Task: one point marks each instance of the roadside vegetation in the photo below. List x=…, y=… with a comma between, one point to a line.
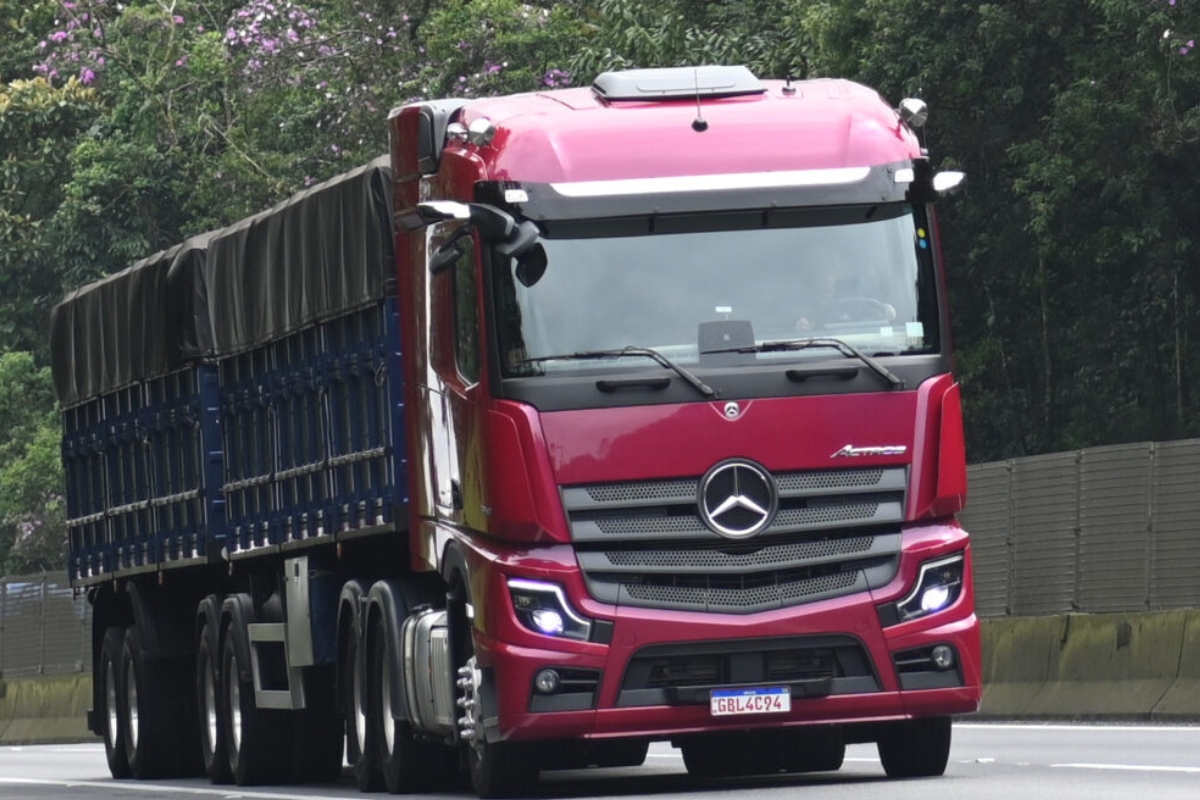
x=125, y=126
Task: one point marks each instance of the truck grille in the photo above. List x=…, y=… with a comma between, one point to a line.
x=643, y=543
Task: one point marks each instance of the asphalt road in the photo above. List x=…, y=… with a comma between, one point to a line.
x=1064, y=762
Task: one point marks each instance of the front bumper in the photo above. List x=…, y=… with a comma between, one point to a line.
x=608, y=697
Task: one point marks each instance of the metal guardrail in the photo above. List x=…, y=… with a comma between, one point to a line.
x=1101, y=530
x=44, y=628
x=1106, y=529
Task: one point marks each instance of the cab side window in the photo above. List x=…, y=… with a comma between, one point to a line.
x=466, y=314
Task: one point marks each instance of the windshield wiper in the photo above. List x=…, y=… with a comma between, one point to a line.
x=848, y=350
x=630, y=350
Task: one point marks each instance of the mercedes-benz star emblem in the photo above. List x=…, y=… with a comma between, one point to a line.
x=737, y=499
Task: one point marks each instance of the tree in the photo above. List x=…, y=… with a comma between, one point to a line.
x=32, y=510
x=1074, y=310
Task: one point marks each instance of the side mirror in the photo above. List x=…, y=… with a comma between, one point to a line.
x=520, y=241
x=531, y=265
x=425, y=214
x=449, y=252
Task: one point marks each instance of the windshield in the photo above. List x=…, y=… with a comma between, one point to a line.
x=705, y=289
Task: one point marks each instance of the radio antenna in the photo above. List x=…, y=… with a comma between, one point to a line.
x=699, y=124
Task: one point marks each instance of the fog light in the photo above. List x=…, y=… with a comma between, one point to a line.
x=943, y=657
x=547, y=681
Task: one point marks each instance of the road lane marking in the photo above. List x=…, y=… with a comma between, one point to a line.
x=1000, y=726
x=160, y=788
x=1129, y=767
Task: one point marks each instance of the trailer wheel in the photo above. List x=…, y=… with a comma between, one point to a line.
x=113, y=702
x=157, y=712
x=915, y=748
x=256, y=739
x=209, y=708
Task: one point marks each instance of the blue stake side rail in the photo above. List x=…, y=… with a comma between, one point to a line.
x=297, y=443
x=238, y=394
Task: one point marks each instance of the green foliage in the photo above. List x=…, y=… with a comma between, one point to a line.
x=1071, y=262
x=32, y=511
x=38, y=122
x=765, y=35
x=478, y=48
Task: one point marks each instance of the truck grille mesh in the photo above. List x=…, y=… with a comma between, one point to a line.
x=715, y=597
x=644, y=544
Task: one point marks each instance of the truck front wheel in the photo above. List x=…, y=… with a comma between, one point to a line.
x=915, y=748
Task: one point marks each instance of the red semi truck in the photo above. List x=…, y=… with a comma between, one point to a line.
x=589, y=418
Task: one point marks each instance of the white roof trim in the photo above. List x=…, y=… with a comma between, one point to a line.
x=710, y=183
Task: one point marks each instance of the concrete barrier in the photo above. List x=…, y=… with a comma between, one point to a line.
x=1132, y=666
x=1077, y=666
x=1017, y=655
x=45, y=710
x=1182, y=700
x=1112, y=665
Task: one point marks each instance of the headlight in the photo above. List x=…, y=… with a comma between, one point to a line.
x=938, y=585
x=543, y=608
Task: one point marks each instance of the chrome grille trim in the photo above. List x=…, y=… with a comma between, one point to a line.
x=643, y=543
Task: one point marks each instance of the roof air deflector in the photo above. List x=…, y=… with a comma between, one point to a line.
x=675, y=83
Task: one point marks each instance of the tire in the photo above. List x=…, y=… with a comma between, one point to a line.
x=917, y=748
x=361, y=722
x=502, y=769
x=256, y=740
x=497, y=769
x=210, y=716
x=112, y=699
x=158, y=721
x=407, y=763
x=317, y=736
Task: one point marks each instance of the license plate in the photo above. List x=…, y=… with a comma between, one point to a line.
x=774, y=700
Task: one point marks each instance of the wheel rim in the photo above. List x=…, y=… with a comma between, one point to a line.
x=235, y=705
x=360, y=711
x=110, y=705
x=131, y=707
x=385, y=705
x=210, y=704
